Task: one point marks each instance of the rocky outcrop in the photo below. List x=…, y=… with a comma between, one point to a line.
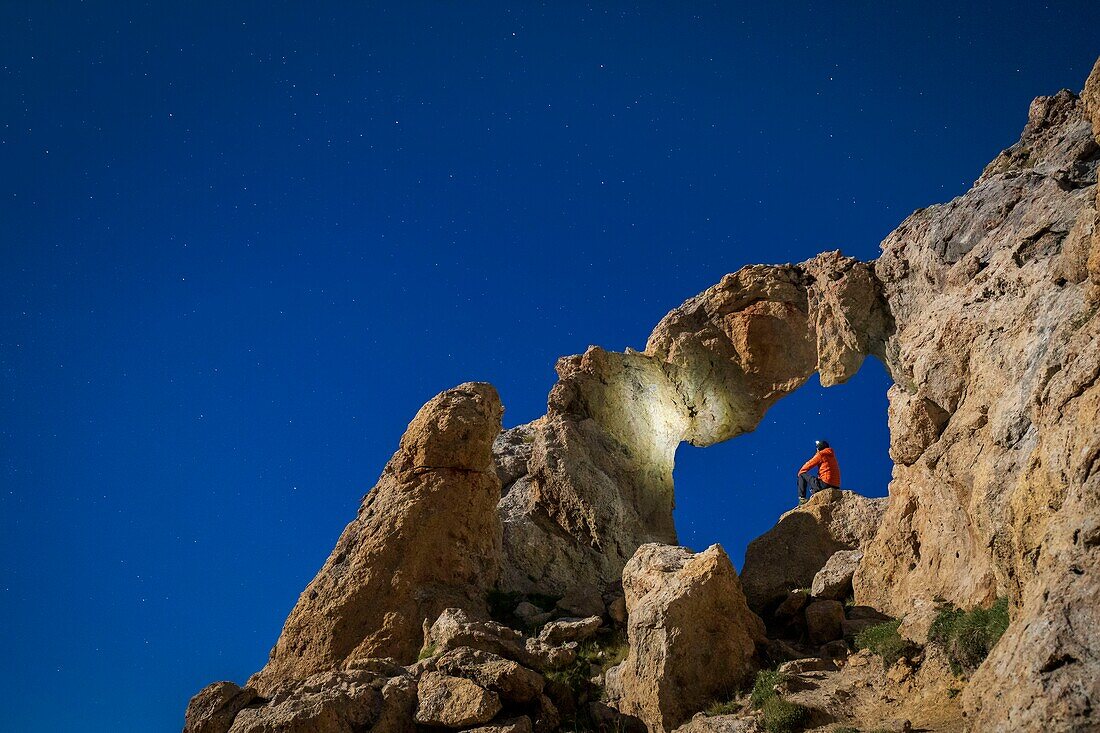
x=213, y=709
x=328, y=701
x=426, y=537
x=453, y=702
x=789, y=555
x=598, y=477
x=834, y=580
x=692, y=637
x=996, y=359
x=986, y=312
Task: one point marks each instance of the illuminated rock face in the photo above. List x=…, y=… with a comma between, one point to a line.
x=598, y=482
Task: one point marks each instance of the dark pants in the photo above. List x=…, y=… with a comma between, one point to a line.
x=811, y=482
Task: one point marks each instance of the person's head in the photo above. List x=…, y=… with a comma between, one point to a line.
x=822, y=444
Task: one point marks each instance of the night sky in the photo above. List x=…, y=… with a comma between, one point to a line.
x=243, y=243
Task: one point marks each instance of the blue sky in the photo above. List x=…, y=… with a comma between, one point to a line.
x=243, y=243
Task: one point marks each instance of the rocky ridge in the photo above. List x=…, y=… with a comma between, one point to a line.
x=984, y=311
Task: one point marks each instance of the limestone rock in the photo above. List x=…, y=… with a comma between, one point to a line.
x=453, y=702
x=455, y=629
x=997, y=326
x=721, y=724
x=426, y=537
x=598, y=481
x=824, y=621
x=213, y=709
x=327, y=702
x=792, y=605
x=834, y=580
x=581, y=601
x=569, y=629
x=511, y=681
x=789, y=555
x=691, y=635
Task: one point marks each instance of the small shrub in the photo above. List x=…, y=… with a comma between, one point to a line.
x=763, y=689
x=968, y=636
x=782, y=716
x=428, y=650
x=884, y=640
x=728, y=707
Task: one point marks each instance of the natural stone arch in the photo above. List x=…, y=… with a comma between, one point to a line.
x=592, y=480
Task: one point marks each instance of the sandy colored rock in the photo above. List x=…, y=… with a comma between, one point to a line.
x=788, y=556
x=426, y=537
x=569, y=629
x=453, y=702
x=995, y=326
x=513, y=682
x=691, y=635
x=834, y=580
x=327, y=702
x=213, y=709
x=598, y=476
x=454, y=629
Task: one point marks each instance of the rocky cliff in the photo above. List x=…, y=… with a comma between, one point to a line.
x=501, y=558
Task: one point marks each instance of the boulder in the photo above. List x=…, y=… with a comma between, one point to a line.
x=213, y=709
x=581, y=601
x=453, y=702
x=792, y=605
x=454, y=628
x=426, y=538
x=824, y=621
x=511, y=681
x=834, y=580
x=789, y=555
x=327, y=702
x=692, y=637
x=569, y=629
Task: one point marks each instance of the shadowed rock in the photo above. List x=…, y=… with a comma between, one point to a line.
x=692, y=637
x=789, y=555
x=427, y=537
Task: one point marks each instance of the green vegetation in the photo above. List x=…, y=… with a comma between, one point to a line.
x=884, y=640
x=763, y=689
x=728, y=707
x=782, y=716
x=602, y=653
x=968, y=636
x=428, y=650
x=779, y=715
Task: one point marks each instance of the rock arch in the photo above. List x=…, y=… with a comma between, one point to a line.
x=589, y=482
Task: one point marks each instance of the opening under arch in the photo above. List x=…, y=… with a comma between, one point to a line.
x=734, y=491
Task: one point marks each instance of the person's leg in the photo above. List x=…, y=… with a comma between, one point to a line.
x=802, y=484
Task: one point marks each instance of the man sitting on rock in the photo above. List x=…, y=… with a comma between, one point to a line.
x=828, y=472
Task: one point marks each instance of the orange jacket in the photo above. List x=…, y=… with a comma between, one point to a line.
x=827, y=469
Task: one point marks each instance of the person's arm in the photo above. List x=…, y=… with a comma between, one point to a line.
x=812, y=463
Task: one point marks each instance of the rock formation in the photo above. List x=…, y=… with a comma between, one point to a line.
x=789, y=555
x=986, y=313
x=996, y=359
x=598, y=477
x=426, y=538
x=692, y=637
